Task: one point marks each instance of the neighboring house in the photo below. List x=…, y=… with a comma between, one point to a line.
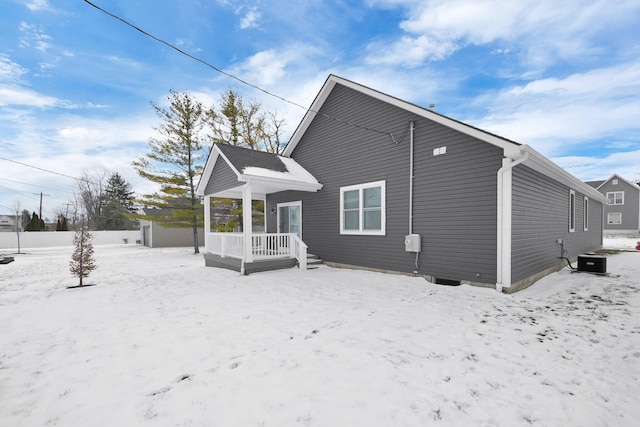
x=371, y=181
x=622, y=211
x=154, y=235
x=7, y=223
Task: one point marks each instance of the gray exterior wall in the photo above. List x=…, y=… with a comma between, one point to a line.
x=455, y=194
x=540, y=216
x=162, y=237
x=630, y=209
x=222, y=178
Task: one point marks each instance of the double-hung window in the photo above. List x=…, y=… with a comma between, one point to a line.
x=362, y=209
x=614, y=218
x=585, y=214
x=615, y=198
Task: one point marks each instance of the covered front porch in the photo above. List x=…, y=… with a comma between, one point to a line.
x=238, y=173
x=269, y=251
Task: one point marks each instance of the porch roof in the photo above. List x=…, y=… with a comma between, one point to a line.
x=267, y=172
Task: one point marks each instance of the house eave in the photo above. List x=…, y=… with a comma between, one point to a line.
x=539, y=163
x=277, y=184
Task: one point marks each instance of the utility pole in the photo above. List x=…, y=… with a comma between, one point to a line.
x=41, y=204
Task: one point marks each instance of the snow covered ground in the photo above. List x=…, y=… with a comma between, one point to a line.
x=162, y=340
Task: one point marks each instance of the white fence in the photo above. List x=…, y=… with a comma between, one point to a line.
x=47, y=239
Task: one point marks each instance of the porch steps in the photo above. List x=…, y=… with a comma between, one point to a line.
x=313, y=261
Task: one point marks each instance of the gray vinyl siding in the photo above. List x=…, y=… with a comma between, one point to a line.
x=222, y=178
x=540, y=216
x=157, y=236
x=455, y=194
x=629, y=210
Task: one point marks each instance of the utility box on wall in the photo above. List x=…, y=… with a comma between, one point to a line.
x=412, y=243
x=592, y=263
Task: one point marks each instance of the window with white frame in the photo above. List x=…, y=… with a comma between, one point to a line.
x=615, y=198
x=362, y=209
x=572, y=211
x=614, y=218
x=585, y=214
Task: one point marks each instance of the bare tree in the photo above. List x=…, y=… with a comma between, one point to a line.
x=16, y=207
x=91, y=191
x=242, y=123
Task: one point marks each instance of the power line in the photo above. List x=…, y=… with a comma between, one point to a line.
x=33, y=185
x=14, y=190
x=36, y=167
x=244, y=82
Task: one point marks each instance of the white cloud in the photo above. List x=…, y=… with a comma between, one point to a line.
x=586, y=168
x=250, y=19
x=34, y=36
x=410, y=51
x=542, y=29
x=9, y=70
x=85, y=134
x=555, y=114
x=274, y=67
x=37, y=5
x=70, y=144
x=15, y=95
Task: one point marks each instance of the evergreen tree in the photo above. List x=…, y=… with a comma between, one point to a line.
x=62, y=224
x=82, y=262
x=118, y=204
x=36, y=224
x=174, y=162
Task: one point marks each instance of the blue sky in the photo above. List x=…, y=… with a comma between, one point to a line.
x=76, y=84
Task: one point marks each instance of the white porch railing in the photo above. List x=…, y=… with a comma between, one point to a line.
x=264, y=246
x=225, y=244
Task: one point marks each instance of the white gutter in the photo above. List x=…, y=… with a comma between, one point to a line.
x=505, y=190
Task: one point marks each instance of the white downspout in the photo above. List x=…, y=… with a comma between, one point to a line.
x=505, y=191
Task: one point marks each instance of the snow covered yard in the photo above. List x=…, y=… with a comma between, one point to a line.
x=164, y=341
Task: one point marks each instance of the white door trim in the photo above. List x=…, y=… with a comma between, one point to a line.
x=296, y=203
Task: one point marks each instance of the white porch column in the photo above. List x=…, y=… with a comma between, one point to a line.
x=246, y=222
x=207, y=221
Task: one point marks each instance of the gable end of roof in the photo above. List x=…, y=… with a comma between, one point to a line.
x=507, y=145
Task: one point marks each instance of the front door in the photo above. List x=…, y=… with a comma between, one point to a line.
x=290, y=218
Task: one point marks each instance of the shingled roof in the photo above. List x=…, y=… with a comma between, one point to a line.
x=242, y=158
x=268, y=172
